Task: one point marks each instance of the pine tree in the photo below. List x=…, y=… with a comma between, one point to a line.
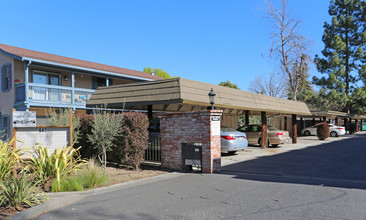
x=344, y=56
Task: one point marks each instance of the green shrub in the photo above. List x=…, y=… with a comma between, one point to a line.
x=322, y=130
x=93, y=174
x=87, y=150
x=19, y=192
x=132, y=140
x=58, y=166
x=73, y=183
x=90, y=176
x=9, y=158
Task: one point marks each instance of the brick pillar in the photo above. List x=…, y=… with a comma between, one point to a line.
x=200, y=128
x=294, y=129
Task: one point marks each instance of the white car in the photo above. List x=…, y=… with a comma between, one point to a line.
x=334, y=130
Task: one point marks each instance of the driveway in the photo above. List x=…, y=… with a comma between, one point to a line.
x=341, y=159
x=326, y=181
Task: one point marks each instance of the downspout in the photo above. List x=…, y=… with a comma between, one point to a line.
x=27, y=63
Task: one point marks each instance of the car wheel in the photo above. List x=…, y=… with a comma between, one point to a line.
x=274, y=145
x=260, y=142
x=232, y=152
x=333, y=134
x=307, y=133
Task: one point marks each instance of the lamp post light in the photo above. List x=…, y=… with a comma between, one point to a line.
x=211, y=95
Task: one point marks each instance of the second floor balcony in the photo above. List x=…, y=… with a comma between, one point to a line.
x=52, y=95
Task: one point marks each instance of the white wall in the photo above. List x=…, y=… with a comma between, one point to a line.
x=51, y=137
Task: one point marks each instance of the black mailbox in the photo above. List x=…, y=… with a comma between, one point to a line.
x=191, y=155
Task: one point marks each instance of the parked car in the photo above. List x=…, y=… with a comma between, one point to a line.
x=334, y=130
x=232, y=140
x=275, y=135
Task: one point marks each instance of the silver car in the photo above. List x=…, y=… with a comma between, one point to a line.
x=232, y=140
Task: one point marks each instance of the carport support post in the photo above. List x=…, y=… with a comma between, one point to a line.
x=325, y=119
x=336, y=121
x=285, y=122
x=356, y=122
x=294, y=129
x=246, y=117
x=313, y=120
x=361, y=125
x=264, y=130
x=150, y=112
x=301, y=124
x=345, y=124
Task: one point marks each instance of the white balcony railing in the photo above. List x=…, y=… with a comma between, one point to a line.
x=61, y=95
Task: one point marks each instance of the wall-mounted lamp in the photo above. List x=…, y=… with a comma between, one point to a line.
x=66, y=78
x=211, y=96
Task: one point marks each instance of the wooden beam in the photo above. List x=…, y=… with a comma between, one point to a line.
x=356, y=122
x=294, y=129
x=314, y=121
x=264, y=130
x=179, y=107
x=165, y=107
x=230, y=111
x=71, y=141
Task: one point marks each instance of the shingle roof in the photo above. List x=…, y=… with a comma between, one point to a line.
x=21, y=52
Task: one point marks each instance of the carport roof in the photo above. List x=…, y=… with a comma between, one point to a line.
x=187, y=95
x=333, y=114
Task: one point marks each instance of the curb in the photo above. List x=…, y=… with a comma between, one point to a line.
x=61, y=199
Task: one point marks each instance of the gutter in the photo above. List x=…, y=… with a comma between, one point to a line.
x=117, y=75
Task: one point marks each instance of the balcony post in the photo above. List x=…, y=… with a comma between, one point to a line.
x=26, y=84
x=73, y=89
x=107, y=81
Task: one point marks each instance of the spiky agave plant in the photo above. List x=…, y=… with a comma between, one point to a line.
x=20, y=191
x=59, y=165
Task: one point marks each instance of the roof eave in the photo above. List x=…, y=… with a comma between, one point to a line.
x=118, y=75
x=11, y=55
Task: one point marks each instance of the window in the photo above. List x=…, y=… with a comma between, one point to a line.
x=4, y=127
x=6, y=77
x=41, y=77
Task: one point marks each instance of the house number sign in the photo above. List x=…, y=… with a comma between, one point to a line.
x=215, y=125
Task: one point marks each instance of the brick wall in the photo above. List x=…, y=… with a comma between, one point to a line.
x=190, y=128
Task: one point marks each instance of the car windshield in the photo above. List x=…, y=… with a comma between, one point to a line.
x=227, y=129
x=271, y=128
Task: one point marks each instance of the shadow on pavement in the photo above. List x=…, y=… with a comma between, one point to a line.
x=339, y=164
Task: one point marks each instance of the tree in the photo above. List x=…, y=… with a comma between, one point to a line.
x=158, y=72
x=228, y=84
x=343, y=56
x=289, y=47
x=274, y=86
x=105, y=129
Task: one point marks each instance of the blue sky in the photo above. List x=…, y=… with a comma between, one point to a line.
x=209, y=41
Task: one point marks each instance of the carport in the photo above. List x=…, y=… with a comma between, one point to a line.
x=183, y=95
x=334, y=117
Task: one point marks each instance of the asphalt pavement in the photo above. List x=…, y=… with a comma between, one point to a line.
x=325, y=180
